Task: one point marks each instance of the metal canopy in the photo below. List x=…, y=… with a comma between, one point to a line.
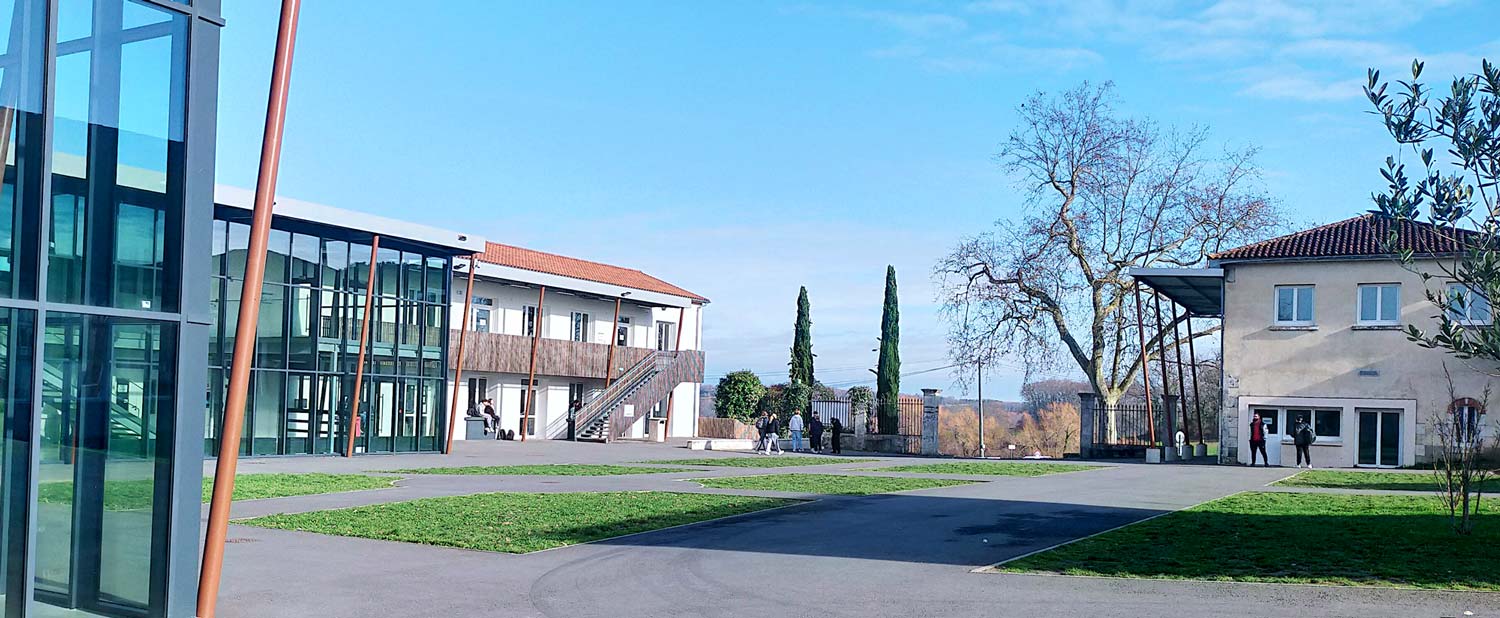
x=1199, y=290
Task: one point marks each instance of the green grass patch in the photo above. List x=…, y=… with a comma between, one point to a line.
x=519, y=522
x=761, y=461
x=831, y=484
x=546, y=470
x=992, y=468
x=1292, y=538
x=1388, y=481
x=136, y=494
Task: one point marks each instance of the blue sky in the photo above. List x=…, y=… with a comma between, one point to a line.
x=743, y=149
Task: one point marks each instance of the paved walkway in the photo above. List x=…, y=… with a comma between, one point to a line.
x=909, y=554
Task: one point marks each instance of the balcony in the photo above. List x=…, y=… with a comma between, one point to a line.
x=497, y=353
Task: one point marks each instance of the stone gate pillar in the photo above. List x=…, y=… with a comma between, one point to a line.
x=930, y=404
x=1086, y=424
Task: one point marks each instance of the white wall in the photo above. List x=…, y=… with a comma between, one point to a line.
x=1336, y=362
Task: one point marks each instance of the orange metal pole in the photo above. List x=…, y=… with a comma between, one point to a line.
x=1140, y=320
x=249, y=315
x=536, y=337
x=672, y=396
x=458, y=365
x=614, y=337
x=364, y=344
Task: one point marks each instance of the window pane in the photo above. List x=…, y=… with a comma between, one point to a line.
x=239, y=248
x=1479, y=308
x=1369, y=303
x=1327, y=423
x=1293, y=417
x=278, y=254
x=109, y=392
x=305, y=253
x=437, y=280
x=1304, y=304
x=335, y=263
x=118, y=138
x=1284, y=308
x=266, y=419
x=1390, y=303
x=270, y=330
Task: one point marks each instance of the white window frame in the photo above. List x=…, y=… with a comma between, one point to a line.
x=528, y=321
x=1465, y=319
x=580, y=323
x=1284, y=422
x=488, y=319
x=1381, y=290
x=1312, y=299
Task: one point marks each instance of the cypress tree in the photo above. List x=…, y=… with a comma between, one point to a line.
x=888, y=367
x=802, y=355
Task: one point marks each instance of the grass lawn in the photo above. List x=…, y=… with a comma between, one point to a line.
x=136, y=494
x=519, y=522
x=1395, y=481
x=831, y=484
x=761, y=461
x=995, y=468
x=1292, y=538
x=546, y=470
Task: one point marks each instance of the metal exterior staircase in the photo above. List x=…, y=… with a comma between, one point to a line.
x=642, y=385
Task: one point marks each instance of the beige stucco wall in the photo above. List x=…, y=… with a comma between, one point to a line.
x=1336, y=363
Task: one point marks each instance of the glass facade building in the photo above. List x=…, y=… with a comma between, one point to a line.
x=308, y=339
x=107, y=134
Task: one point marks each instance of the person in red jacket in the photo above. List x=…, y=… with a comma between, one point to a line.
x=1258, y=440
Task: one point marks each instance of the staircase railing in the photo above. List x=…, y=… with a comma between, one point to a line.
x=608, y=398
x=672, y=369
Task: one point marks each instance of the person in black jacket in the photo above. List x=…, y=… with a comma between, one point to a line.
x=815, y=431
x=773, y=435
x=838, y=429
x=1302, y=438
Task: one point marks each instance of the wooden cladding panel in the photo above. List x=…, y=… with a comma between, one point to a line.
x=495, y=352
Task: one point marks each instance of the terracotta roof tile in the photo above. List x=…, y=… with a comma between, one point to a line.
x=1364, y=235
x=542, y=262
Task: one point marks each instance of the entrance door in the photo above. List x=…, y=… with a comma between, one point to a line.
x=1380, y=438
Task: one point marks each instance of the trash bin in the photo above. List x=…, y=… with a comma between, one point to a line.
x=656, y=429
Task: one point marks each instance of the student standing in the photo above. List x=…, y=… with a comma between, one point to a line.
x=1302, y=438
x=815, y=431
x=1258, y=440
x=838, y=429
x=795, y=425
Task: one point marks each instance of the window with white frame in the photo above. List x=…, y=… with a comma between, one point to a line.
x=1467, y=307
x=1294, y=305
x=1380, y=304
x=580, y=326
x=528, y=321
x=482, y=309
x=1468, y=420
x=1326, y=423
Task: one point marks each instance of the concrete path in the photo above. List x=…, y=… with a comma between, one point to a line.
x=908, y=554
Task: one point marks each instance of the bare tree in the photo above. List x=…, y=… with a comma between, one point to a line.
x=1105, y=193
x=1052, y=432
x=1460, y=466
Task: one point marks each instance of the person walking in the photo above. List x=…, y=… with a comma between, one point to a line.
x=773, y=435
x=838, y=429
x=762, y=429
x=815, y=431
x=1302, y=438
x=1258, y=440
x=795, y=425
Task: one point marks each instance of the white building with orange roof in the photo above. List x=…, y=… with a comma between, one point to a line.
x=547, y=334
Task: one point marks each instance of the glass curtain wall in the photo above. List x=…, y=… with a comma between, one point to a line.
x=307, y=343
x=94, y=224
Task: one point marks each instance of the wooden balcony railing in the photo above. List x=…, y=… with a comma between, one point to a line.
x=494, y=352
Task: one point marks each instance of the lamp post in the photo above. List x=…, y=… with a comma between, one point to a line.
x=981, y=410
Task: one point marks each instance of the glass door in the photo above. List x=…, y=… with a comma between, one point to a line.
x=1379, y=438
